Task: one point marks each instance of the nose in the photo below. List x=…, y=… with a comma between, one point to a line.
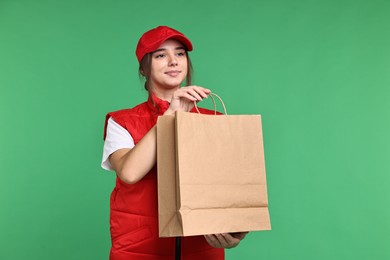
x=172, y=60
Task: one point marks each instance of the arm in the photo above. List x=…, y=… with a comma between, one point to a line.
x=131, y=165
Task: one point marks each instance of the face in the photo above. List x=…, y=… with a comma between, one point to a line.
x=168, y=66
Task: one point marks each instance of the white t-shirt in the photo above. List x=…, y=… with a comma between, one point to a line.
x=116, y=138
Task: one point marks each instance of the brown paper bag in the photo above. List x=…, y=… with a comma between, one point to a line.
x=211, y=174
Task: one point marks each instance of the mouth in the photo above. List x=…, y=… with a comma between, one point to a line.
x=173, y=73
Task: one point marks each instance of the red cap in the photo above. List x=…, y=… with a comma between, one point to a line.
x=153, y=38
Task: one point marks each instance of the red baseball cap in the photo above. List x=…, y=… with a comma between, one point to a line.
x=153, y=38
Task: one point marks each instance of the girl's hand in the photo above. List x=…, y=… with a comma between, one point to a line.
x=225, y=240
x=183, y=98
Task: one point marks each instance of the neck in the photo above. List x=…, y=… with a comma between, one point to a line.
x=165, y=94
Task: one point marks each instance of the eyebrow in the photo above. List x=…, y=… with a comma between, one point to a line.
x=163, y=49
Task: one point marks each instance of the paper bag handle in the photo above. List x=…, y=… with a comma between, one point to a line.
x=215, y=105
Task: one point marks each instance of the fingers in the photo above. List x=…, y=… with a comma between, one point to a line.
x=224, y=240
x=183, y=99
x=229, y=240
x=213, y=241
x=192, y=93
x=239, y=235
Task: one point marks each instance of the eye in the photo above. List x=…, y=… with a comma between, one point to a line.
x=182, y=53
x=159, y=55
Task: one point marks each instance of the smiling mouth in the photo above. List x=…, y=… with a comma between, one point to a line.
x=173, y=73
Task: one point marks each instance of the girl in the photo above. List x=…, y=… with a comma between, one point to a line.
x=130, y=150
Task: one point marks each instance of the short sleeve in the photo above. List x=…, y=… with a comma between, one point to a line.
x=116, y=138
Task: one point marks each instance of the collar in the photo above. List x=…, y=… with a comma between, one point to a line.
x=157, y=105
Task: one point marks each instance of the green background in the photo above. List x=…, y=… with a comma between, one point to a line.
x=317, y=71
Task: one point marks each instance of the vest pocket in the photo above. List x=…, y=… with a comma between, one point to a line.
x=132, y=238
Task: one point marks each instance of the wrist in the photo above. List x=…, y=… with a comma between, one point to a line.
x=169, y=111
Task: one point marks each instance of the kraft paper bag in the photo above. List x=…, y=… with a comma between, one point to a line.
x=168, y=215
x=211, y=174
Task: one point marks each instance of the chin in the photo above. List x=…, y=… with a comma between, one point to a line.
x=174, y=84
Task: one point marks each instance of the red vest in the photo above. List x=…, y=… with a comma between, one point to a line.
x=133, y=207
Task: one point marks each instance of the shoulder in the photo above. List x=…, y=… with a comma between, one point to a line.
x=125, y=115
x=128, y=112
